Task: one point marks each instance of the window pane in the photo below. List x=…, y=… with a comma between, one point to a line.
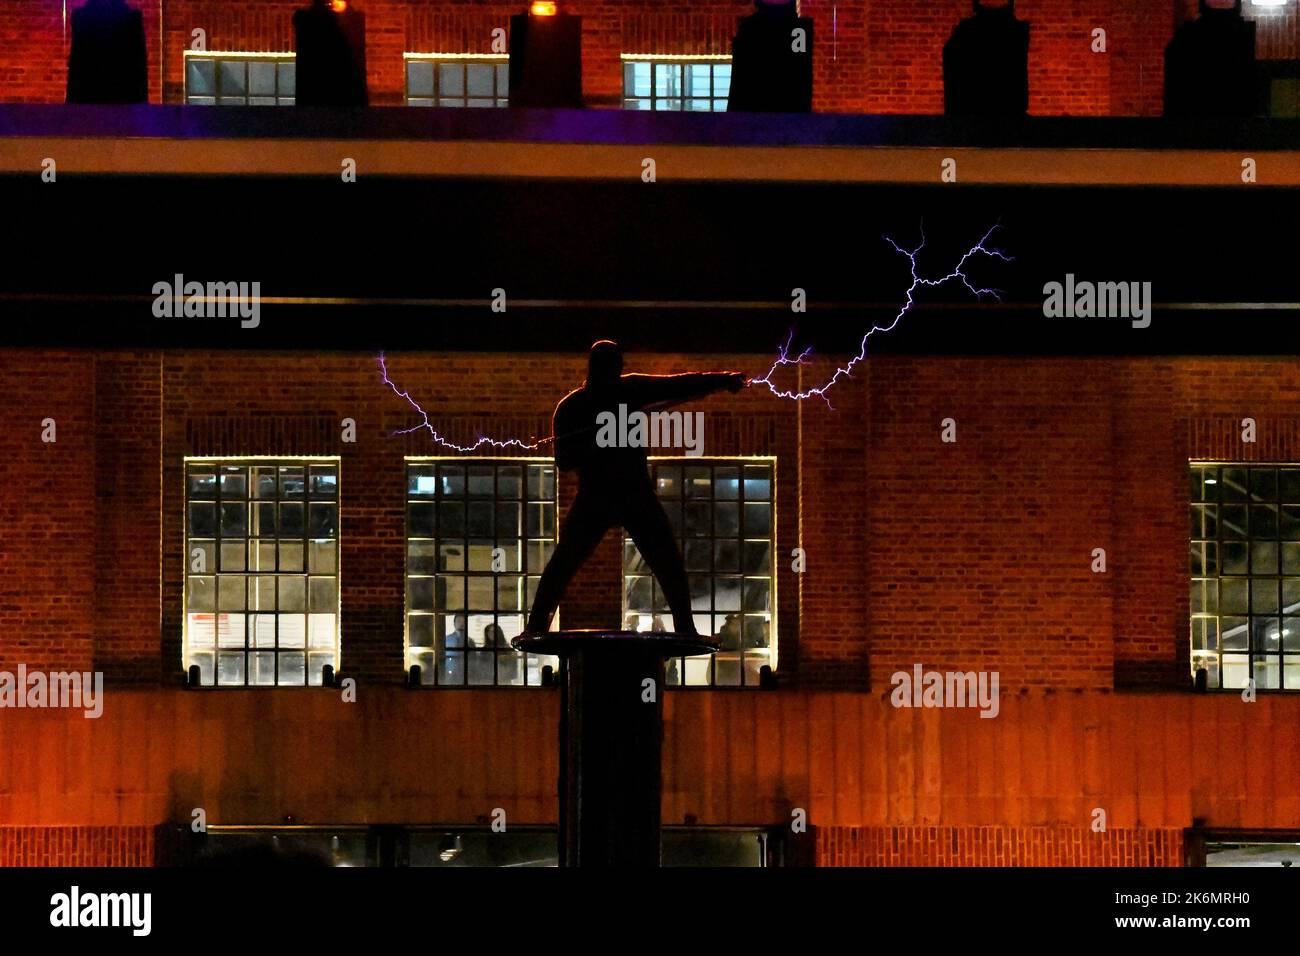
x=419, y=78
x=261, y=78
x=200, y=77
x=479, y=79
x=232, y=78
x=451, y=79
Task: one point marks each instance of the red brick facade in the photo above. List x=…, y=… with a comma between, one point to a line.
x=970, y=554
x=997, y=846
x=76, y=846
x=967, y=555
x=872, y=56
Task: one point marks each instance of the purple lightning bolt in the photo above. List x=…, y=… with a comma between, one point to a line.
x=783, y=355
x=479, y=442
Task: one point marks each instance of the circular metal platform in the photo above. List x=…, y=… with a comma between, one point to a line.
x=562, y=643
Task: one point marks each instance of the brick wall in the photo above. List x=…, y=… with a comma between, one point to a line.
x=47, y=565
x=872, y=56
x=997, y=846
x=34, y=49
x=76, y=846
x=974, y=554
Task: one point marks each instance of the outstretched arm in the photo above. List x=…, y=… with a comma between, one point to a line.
x=671, y=389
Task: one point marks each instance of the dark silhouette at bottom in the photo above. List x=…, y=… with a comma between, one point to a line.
x=614, y=484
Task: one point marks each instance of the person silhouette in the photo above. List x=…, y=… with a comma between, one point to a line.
x=107, y=59
x=768, y=73
x=330, y=40
x=614, y=484
x=986, y=64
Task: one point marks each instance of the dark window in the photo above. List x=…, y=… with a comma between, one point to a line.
x=463, y=846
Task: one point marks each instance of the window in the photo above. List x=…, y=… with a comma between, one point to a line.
x=358, y=845
x=452, y=79
x=478, y=534
x=1245, y=564
x=262, y=552
x=694, y=84
x=722, y=513
x=239, y=79
x=1282, y=82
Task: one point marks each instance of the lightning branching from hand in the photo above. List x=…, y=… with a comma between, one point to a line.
x=479, y=442
x=981, y=248
x=783, y=358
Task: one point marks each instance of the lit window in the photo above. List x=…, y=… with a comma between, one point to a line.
x=239, y=79
x=478, y=534
x=451, y=79
x=262, y=553
x=699, y=85
x=722, y=516
x=1245, y=575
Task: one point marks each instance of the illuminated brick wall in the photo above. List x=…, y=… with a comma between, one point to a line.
x=872, y=56
x=34, y=50
x=997, y=846
x=76, y=846
x=47, y=575
x=968, y=555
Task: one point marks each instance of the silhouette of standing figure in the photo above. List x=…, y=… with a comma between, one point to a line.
x=106, y=63
x=614, y=484
x=986, y=64
x=331, y=55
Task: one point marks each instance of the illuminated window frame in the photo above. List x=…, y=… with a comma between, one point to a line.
x=315, y=562
x=443, y=79
x=433, y=590
x=661, y=82
x=227, y=91
x=1245, y=574
x=741, y=659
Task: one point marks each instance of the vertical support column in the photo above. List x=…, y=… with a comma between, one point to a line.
x=611, y=741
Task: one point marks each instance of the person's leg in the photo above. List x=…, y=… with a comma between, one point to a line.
x=647, y=524
x=584, y=526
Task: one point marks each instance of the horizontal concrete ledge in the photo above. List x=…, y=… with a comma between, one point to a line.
x=513, y=160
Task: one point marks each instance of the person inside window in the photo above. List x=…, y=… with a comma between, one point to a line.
x=452, y=665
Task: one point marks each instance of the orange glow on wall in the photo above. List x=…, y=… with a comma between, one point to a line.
x=542, y=8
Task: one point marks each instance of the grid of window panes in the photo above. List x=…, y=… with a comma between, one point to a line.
x=699, y=86
x=722, y=514
x=458, y=81
x=261, y=593
x=223, y=79
x=478, y=534
x=1245, y=574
